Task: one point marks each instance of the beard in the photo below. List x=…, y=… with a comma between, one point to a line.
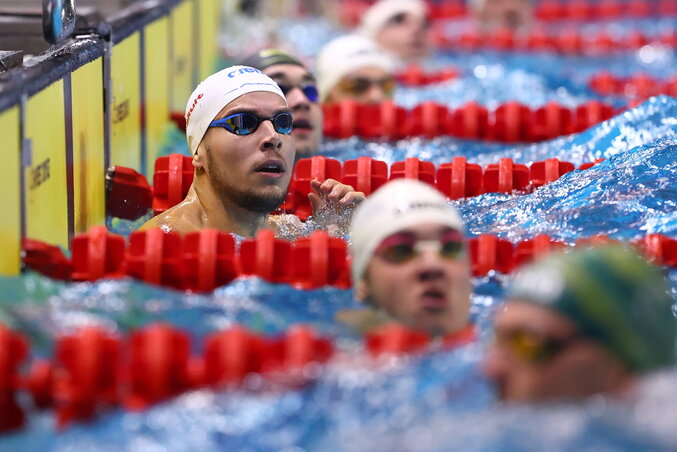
x=252, y=200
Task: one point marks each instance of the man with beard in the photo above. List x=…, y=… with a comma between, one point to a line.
x=300, y=89
x=238, y=127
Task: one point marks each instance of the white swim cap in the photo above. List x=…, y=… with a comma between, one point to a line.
x=344, y=55
x=397, y=205
x=381, y=12
x=217, y=91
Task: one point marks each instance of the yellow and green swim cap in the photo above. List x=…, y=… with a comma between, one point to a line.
x=614, y=297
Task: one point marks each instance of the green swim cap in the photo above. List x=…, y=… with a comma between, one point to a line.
x=269, y=57
x=614, y=297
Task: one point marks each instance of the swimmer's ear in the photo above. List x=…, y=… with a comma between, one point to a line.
x=362, y=291
x=198, y=157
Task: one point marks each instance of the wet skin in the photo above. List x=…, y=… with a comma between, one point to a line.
x=239, y=180
x=582, y=368
x=429, y=293
x=307, y=115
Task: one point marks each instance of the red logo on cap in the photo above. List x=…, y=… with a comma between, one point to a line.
x=192, y=107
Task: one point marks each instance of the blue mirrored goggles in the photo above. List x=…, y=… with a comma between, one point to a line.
x=246, y=123
x=308, y=88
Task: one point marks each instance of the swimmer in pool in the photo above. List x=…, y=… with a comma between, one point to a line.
x=400, y=27
x=238, y=127
x=491, y=15
x=581, y=323
x=410, y=261
x=353, y=67
x=300, y=89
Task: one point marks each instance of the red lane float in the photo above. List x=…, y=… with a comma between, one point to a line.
x=544, y=10
x=208, y=260
x=528, y=250
x=488, y=252
x=13, y=351
x=320, y=260
x=87, y=374
x=154, y=256
x=158, y=367
x=266, y=257
x=365, y=174
x=97, y=255
x=541, y=173
x=128, y=194
x=231, y=355
x=315, y=261
x=459, y=179
x=46, y=259
x=637, y=87
x=505, y=177
x=413, y=168
x=510, y=122
x=172, y=178
x=395, y=339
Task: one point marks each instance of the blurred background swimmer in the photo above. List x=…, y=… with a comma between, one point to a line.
x=353, y=67
x=409, y=259
x=491, y=15
x=582, y=323
x=401, y=27
x=238, y=127
x=300, y=89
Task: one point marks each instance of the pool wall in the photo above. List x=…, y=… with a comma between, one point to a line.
x=101, y=98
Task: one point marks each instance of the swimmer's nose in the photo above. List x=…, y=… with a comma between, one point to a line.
x=270, y=139
x=297, y=100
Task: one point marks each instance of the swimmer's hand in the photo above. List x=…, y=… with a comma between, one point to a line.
x=331, y=194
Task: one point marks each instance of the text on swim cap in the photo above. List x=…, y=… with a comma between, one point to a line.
x=192, y=107
x=244, y=70
x=420, y=205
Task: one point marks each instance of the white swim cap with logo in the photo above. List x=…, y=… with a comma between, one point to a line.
x=344, y=55
x=381, y=12
x=217, y=91
x=396, y=206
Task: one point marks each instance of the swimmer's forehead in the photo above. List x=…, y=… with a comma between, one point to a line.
x=426, y=230
x=262, y=103
x=289, y=71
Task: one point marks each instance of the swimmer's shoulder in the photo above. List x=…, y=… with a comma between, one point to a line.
x=173, y=220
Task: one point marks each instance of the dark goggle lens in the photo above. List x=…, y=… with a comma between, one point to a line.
x=531, y=347
x=360, y=86
x=247, y=123
x=309, y=90
x=398, y=253
x=283, y=123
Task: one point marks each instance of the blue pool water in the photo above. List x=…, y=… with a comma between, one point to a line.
x=436, y=401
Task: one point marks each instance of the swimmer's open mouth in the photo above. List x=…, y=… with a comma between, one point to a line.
x=271, y=167
x=433, y=299
x=302, y=124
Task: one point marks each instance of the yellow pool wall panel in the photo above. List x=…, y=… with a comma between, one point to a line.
x=156, y=82
x=125, y=109
x=10, y=184
x=45, y=181
x=182, y=54
x=209, y=18
x=89, y=201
